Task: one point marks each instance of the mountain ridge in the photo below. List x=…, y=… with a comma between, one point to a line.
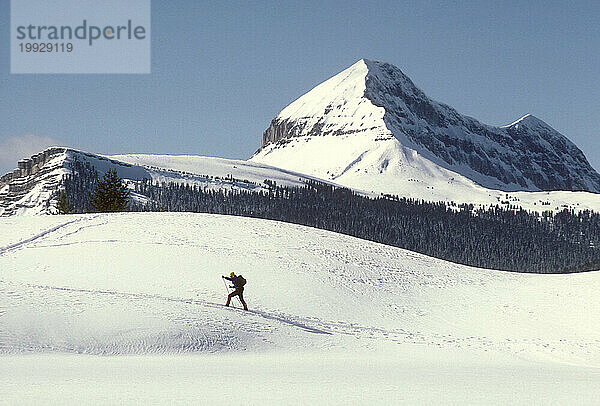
x=33, y=187
x=377, y=99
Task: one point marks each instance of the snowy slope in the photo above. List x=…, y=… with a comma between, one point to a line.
x=370, y=128
x=215, y=167
x=312, y=288
x=332, y=318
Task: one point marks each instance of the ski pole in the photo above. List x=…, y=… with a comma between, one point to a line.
x=227, y=288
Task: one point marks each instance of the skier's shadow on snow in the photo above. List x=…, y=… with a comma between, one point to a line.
x=276, y=318
x=290, y=322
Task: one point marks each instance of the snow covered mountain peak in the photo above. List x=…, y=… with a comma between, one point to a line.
x=372, y=118
x=527, y=120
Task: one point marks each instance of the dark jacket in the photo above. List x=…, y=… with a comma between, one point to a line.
x=236, y=280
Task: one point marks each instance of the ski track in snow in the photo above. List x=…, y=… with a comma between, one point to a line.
x=159, y=292
x=43, y=234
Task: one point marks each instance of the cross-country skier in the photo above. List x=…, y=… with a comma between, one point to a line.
x=238, y=284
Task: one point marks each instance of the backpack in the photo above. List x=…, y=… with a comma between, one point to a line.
x=241, y=281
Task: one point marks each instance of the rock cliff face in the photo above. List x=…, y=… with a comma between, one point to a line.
x=30, y=166
x=374, y=100
x=43, y=172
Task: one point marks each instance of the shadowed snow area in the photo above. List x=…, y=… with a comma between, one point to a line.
x=147, y=287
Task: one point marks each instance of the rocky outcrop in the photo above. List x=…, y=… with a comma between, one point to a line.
x=30, y=166
x=32, y=172
x=280, y=130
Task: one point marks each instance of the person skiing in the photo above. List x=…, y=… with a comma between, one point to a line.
x=238, y=284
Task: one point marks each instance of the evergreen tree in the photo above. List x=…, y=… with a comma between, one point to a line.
x=63, y=205
x=110, y=194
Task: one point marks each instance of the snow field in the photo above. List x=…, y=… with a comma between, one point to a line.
x=211, y=166
x=414, y=375
x=332, y=318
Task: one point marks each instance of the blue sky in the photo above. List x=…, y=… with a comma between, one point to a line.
x=222, y=70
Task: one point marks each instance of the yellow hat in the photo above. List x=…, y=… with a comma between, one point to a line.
x=231, y=275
